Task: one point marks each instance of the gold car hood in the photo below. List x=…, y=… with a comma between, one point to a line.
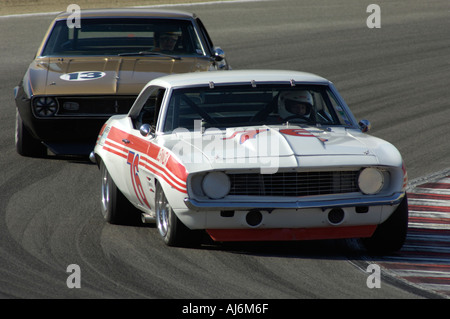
x=105, y=76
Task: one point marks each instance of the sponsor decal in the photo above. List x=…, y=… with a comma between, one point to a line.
x=302, y=132
x=246, y=135
x=133, y=161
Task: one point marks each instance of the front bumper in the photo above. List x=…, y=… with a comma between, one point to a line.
x=323, y=218
x=197, y=205
x=71, y=126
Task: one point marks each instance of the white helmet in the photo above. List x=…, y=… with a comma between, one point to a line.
x=288, y=98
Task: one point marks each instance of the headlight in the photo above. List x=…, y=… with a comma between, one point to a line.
x=371, y=181
x=216, y=185
x=45, y=106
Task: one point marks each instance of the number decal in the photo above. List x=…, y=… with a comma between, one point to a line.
x=82, y=76
x=163, y=156
x=133, y=161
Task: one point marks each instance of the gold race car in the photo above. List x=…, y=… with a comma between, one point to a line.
x=83, y=74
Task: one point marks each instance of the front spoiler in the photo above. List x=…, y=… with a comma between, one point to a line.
x=76, y=149
x=197, y=205
x=288, y=234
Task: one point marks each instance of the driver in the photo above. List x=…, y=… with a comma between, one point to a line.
x=167, y=41
x=295, y=104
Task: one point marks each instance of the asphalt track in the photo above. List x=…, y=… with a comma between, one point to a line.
x=397, y=76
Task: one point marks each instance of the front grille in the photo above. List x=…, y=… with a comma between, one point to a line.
x=294, y=184
x=103, y=106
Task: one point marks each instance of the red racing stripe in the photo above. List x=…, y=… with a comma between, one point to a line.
x=436, y=185
x=114, y=152
x=136, y=143
x=426, y=208
x=172, y=182
x=173, y=172
x=428, y=196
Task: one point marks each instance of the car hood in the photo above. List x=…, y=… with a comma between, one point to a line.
x=281, y=147
x=105, y=76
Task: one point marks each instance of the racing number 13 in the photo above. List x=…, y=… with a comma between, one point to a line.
x=85, y=75
x=133, y=161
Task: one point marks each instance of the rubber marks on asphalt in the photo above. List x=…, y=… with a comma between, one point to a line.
x=424, y=260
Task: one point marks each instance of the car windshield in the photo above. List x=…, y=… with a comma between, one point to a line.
x=237, y=106
x=123, y=36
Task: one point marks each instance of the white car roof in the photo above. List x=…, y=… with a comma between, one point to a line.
x=235, y=77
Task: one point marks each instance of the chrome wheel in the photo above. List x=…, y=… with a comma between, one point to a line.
x=116, y=209
x=163, y=210
x=172, y=230
x=105, y=192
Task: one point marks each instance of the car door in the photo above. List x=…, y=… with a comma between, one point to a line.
x=140, y=169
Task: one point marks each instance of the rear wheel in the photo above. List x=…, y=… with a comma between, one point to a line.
x=391, y=234
x=116, y=209
x=172, y=230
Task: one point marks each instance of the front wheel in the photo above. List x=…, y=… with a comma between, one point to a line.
x=391, y=234
x=172, y=230
x=26, y=144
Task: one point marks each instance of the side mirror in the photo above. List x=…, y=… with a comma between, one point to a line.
x=16, y=91
x=219, y=54
x=365, y=126
x=145, y=130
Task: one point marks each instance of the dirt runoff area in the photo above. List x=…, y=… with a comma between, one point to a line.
x=12, y=7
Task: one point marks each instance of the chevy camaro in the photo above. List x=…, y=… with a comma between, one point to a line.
x=85, y=72
x=251, y=155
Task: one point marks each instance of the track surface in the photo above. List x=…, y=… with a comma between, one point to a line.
x=396, y=76
x=424, y=260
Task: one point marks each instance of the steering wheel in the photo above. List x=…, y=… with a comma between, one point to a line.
x=298, y=117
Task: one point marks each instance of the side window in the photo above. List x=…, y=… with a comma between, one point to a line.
x=191, y=38
x=150, y=110
x=340, y=113
x=205, y=34
x=323, y=116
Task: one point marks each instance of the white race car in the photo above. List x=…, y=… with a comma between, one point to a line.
x=251, y=155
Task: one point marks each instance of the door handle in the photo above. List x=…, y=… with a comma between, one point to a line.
x=126, y=141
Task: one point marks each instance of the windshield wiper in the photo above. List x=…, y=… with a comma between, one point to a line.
x=175, y=57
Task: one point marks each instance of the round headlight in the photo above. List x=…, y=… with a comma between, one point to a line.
x=216, y=185
x=45, y=106
x=370, y=181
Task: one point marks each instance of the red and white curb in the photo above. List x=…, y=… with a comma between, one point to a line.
x=424, y=260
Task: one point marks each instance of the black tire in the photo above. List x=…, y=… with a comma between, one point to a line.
x=26, y=144
x=115, y=207
x=172, y=230
x=390, y=236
